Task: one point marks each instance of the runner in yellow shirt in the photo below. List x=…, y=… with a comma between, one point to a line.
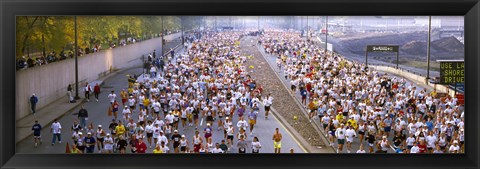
x=146, y=102
x=157, y=150
x=352, y=123
x=120, y=129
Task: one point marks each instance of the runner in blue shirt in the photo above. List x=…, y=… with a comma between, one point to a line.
x=36, y=133
x=304, y=93
x=89, y=143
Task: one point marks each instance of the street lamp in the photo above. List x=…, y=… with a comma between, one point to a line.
x=428, y=49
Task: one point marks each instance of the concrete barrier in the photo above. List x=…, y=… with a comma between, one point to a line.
x=413, y=77
x=49, y=82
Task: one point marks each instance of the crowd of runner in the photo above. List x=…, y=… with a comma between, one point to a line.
x=358, y=104
x=208, y=84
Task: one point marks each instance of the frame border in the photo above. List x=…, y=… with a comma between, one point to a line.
x=9, y=9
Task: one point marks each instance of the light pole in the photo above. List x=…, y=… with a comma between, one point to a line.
x=428, y=49
x=76, y=60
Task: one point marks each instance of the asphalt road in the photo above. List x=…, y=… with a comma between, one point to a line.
x=98, y=115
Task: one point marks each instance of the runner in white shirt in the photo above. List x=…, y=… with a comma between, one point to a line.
x=361, y=150
x=431, y=141
x=156, y=132
x=111, y=97
x=242, y=124
x=230, y=136
x=340, y=134
x=131, y=103
x=162, y=138
x=415, y=148
x=455, y=148
x=149, y=128
x=217, y=149
x=164, y=147
x=410, y=141
x=108, y=143
x=56, y=129
x=126, y=114
x=183, y=144
x=350, y=134
x=267, y=102
x=256, y=146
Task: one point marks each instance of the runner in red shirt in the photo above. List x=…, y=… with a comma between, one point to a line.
x=141, y=146
x=422, y=147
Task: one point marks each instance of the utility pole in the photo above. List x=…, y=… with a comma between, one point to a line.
x=428, y=49
x=76, y=60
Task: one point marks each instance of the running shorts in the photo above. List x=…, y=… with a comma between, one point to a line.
x=209, y=118
x=341, y=141
x=196, y=148
x=387, y=129
x=149, y=135
x=267, y=108
x=252, y=121
x=183, y=148
x=207, y=135
x=230, y=138
x=277, y=144
x=100, y=139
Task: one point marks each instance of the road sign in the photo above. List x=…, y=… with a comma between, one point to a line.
x=330, y=47
x=452, y=72
x=382, y=48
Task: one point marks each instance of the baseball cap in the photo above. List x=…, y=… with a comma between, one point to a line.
x=455, y=141
x=208, y=124
x=89, y=133
x=176, y=131
x=226, y=118
x=108, y=134
x=99, y=125
x=183, y=136
x=80, y=133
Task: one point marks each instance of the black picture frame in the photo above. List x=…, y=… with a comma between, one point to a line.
x=9, y=9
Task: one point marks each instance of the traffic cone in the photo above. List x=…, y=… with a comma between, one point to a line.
x=67, y=149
